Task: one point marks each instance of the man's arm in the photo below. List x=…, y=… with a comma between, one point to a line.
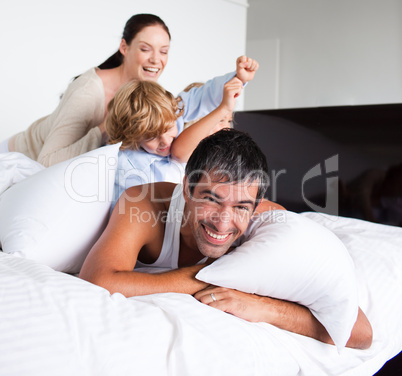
x=283, y=314
x=111, y=261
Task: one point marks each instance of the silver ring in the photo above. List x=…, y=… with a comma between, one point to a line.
x=213, y=297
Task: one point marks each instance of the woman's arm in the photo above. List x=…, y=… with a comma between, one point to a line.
x=74, y=125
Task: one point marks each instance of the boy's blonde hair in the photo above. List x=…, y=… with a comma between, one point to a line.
x=140, y=110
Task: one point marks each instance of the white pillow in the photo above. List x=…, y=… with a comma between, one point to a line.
x=56, y=215
x=287, y=256
x=15, y=167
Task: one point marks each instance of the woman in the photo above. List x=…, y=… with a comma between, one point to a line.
x=76, y=125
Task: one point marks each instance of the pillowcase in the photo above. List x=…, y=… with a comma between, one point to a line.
x=55, y=216
x=287, y=256
x=15, y=167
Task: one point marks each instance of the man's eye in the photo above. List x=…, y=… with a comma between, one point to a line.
x=243, y=208
x=210, y=199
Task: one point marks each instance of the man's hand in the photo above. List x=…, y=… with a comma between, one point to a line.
x=282, y=314
x=246, y=306
x=246, y=68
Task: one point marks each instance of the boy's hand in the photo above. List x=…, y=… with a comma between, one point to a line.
x=246, y=68
x=231, y=91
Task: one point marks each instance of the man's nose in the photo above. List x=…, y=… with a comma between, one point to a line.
x=223, y=220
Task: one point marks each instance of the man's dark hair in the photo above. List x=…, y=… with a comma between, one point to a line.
x=230, y=156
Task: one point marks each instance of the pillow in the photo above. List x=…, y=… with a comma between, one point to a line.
x=15, y=167
x=287, y=256
x=56, y=215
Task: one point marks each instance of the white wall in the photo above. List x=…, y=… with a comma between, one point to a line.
x=45, y=43
x=325, y=53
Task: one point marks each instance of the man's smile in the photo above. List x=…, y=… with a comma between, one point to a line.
x=214, y=237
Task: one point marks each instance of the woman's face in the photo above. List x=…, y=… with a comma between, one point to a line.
x=147, y=54
x=161, y=145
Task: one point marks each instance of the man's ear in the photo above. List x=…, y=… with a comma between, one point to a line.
x=123, y=47
x=186, y=189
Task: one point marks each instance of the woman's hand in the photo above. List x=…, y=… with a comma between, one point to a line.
x=246, y=68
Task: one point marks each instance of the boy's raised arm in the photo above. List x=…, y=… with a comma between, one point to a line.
x=188, y=140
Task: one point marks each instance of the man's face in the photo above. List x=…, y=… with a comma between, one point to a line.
x=218, y=213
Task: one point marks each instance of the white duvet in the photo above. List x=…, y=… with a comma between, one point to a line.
x=53, y=323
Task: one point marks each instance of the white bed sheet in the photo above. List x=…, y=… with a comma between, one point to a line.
x=53, y=323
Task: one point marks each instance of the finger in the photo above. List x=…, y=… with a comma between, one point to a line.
x=206, y=293
x=252, y=65
x=234, y=87
x=207, y=298
x=242, y=61
x=241, y=58
x=237, y=92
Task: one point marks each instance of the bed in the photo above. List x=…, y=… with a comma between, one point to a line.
x=53, y=323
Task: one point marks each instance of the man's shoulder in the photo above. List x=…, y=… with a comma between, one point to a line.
x=266, y=205
x=152, y=195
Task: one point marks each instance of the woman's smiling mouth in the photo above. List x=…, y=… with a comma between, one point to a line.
x=152, y=70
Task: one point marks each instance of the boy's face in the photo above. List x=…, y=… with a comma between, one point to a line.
x=160, y=145
x=226, y=122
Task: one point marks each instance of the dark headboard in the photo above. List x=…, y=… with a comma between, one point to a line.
x=323, y=158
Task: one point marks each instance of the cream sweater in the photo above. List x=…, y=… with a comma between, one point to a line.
x=72, y=129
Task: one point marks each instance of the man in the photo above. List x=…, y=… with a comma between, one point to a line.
x=183, y=229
